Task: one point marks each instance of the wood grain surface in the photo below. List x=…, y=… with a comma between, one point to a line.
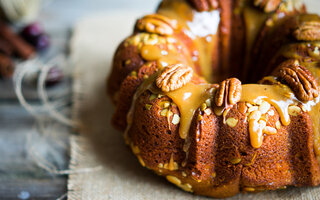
x=20, y=176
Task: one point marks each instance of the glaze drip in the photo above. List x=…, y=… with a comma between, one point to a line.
x=280, y=96
x=188, y=99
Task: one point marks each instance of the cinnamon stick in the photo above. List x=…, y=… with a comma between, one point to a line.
x=20, y=47
x=5, y=47
x=6, y=66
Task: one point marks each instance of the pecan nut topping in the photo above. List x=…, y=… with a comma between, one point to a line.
x=204, y=5
x=229, y=92
x=156, y=23
x=308, y=31
x=267, y=5
x=299, y=79
x=174, y=77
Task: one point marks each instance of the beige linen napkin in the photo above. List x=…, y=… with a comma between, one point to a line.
x=121, y=176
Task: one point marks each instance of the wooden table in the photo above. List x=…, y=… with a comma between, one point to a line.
x=20, y=177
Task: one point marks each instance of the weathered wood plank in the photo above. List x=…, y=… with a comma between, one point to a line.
x=50, y=188
x=18, y=170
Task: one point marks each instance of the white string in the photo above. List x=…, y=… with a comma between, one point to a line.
x=44, y=112
x=21, y=70
x=49, y=167
x=62, y=196
x=47, y=108
x=44, y=97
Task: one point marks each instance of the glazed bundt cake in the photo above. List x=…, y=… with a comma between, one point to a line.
x=219, y=139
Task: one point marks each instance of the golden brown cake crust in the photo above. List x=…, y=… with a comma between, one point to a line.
x=219, y=154
x=127, y=89
x=122, y=67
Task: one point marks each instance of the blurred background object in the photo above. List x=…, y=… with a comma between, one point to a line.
x=20, y=11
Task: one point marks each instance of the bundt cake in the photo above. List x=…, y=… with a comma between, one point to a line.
x=219, y=139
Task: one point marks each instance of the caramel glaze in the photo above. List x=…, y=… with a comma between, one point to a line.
x=188, y=99
x=281, y=97
x=202, y=29
x=308, y=55
x=194, y=25
x=199, y=27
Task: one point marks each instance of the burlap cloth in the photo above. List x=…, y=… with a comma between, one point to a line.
x=121, y=176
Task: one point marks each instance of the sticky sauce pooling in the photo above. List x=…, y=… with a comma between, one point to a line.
x=280, y=96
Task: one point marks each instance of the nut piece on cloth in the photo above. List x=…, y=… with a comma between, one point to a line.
x=229, y=92
x=299, y=79
x=174, y=77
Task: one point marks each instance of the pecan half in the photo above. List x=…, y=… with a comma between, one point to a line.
x=308, y=31
x=204, y=5
x=156, y=23
x=299, y=79
x=267, y=5
x=229, y=92
x=174, y=77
